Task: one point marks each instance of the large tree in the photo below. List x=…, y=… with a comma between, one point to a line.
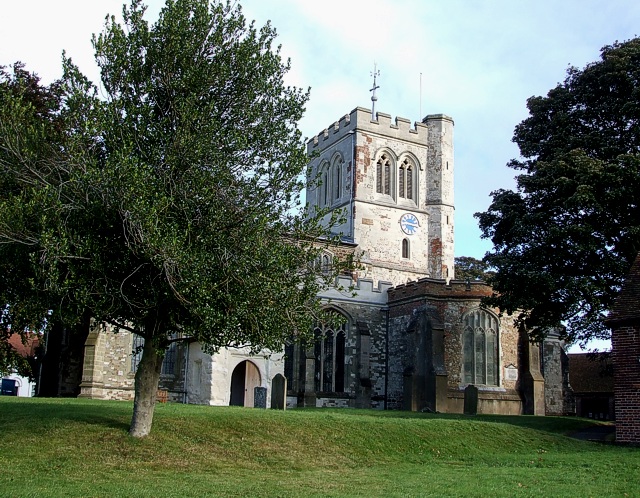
x=167, y=203
x=566, y=237
x=470, y=268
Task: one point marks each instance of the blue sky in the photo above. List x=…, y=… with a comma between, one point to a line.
x=479, y=60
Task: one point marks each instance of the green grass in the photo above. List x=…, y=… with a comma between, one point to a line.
x=56, y=447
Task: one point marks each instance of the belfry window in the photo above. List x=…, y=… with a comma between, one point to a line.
x=405, y=180
x=480, y=349
x=383, y=175
x=325, y=188
x=337, y=179
x=329, y=357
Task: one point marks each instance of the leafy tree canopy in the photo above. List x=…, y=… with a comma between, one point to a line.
x=168, y=203
x=566, y=237
x=469, y=268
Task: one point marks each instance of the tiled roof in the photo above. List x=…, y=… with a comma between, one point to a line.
x=27, y=349
x=590, y=372
x=626, y=308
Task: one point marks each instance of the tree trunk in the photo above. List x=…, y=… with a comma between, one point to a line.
x=147, y=378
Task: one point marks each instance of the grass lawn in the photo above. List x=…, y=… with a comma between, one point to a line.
x=69, y=447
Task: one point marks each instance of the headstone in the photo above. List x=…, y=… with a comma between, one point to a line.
x=471, y=400
x=259, y=397
x=279, y=392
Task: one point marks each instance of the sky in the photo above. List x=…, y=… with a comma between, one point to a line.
x=477, y=61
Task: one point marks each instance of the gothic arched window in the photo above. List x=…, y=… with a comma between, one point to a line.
x=480, y=349
x=337, y=179
x=383, y=175
x=406, y=179
x=329, y=352
x=325, y=188
x=326, y=264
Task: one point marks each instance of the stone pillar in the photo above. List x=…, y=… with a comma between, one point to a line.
x=532, y=384
x=439, y=370
x=409, y=390
x=92, y=385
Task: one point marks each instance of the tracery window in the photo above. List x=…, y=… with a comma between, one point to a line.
x=480, y=348
x=329, y=352
x=326, y=264
x=168, y=362
x=383, y=175
x=405, y=179
x=323, y=263
x=136, y=354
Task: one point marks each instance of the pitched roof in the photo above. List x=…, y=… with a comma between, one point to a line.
x=626, y=308
x=24, y=349
x=590, y=372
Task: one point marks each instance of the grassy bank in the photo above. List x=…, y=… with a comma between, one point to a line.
x=81, y=448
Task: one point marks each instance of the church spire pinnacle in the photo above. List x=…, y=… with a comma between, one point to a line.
x=375, y=73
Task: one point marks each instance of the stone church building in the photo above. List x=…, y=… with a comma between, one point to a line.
x=412, y=337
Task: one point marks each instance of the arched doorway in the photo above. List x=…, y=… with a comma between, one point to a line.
x=244, y=379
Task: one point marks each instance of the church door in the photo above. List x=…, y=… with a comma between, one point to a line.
x=244, y=379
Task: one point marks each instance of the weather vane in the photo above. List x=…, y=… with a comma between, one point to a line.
x=375, y=73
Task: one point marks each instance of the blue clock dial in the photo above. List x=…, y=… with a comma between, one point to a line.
x=409, y=223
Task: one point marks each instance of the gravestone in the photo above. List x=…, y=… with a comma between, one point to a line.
x=259, y=397
x=471, y=400
x=279, y=392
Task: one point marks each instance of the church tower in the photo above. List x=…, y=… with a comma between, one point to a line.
x=394, y=184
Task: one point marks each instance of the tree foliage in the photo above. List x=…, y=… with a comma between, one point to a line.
x=566, y=237
x=168, y=203
x=469, y=268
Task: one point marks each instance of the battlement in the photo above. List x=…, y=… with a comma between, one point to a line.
x=360, y=119
x=433, y=287
x=364, y=289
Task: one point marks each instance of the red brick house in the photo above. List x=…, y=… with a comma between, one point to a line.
x=624, y=322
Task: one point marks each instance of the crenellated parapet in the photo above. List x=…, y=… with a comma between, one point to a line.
x=361, y=119
x=361, y=291
x=440, y=288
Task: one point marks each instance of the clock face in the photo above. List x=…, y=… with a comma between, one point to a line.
x=409, y=223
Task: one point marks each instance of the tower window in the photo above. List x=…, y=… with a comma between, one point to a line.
x=325, y=188
x=405, y=249
x=337, y=179
x=405, y=181
x=383, y=175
